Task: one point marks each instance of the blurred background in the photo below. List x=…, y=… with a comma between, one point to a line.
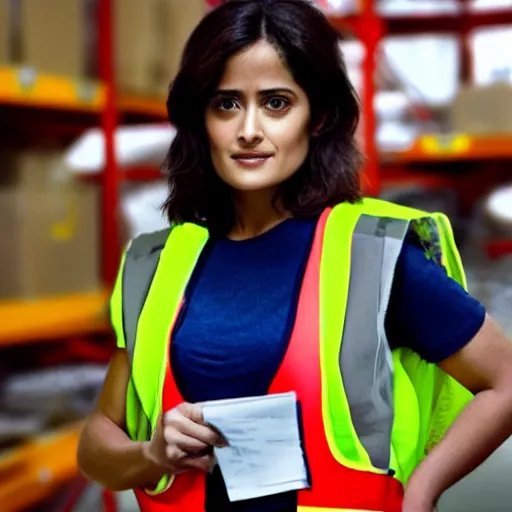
x=83, y=132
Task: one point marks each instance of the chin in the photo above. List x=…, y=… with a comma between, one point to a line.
x=252, y=187
x=249, y=182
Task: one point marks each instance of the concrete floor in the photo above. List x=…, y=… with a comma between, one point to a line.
x=127, y=502
x=91, y=501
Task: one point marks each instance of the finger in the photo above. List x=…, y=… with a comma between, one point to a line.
x=185, y=410
x=186, y=443
x=198, y=463
x=222, y=442
x=195, y=413
x=201, y=433
x=192, y=411
x=175, y=455
x=175, y=420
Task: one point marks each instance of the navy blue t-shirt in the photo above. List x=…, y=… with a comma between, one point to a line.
x=240, y=307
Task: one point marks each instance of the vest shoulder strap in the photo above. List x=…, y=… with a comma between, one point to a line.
x=141, y=261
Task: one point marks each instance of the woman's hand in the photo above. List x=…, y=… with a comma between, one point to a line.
x=418, y=508
x=413, y=503
x=418, y=496
x=182, y=442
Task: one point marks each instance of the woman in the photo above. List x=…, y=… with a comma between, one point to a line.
x=277, y=276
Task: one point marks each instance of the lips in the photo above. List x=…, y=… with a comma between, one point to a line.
x=251, y=160
x=251, y=156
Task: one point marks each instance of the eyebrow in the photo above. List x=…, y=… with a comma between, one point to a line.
x=265, y=92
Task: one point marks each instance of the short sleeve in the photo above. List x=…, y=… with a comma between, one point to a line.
x=116, y=306
x=428, y=311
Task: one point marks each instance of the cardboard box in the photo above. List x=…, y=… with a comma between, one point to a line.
x=482, y=110
x=5, y=26
x=50, y=232
x=135, y=45
x=176, y=21
x=29, y=170
x=53, y=36
x=149, y=40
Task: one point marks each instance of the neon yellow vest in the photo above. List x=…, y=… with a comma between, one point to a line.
x=426, y=400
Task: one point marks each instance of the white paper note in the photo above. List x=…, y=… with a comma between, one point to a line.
x=264, y=455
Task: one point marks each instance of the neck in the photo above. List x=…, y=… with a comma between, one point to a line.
x=255, y=214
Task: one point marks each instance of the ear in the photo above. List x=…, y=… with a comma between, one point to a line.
x=318, y=124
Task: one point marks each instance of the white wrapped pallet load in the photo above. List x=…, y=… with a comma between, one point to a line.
x=144, y=145
x=487, y=5
x=426, y=65
x=405, y=7
x=141, y=208
x=339, y=7
x=491, y=49
x=498, y=207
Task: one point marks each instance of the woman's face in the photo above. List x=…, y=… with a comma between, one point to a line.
x=257, y=121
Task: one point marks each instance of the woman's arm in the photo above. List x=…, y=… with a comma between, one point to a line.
x=484, y=366
x=105, y=453
x=180, y=442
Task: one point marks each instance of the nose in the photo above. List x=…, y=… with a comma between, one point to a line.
x=250, y=129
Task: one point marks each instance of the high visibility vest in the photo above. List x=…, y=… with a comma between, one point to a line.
x=370, y=413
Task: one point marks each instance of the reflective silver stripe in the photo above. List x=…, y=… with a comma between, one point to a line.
x=365, y=357
x=139, y=268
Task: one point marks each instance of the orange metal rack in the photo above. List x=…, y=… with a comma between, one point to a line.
x=33, y=472
x=49, y=104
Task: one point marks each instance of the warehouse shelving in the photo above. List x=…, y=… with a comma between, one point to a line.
x=25, y=321
x=24, y=472
x=410, y=24
x=453, y=147
x=430, y=150
x=35, y=471
x=149, y=107
x=23, y=87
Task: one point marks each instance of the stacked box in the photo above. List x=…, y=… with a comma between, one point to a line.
x=50, y=229
x=52, y=36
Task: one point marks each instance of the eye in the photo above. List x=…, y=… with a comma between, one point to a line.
x=226, y=104
x=277, y=103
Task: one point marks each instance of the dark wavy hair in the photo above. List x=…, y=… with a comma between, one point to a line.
x=309, y=47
